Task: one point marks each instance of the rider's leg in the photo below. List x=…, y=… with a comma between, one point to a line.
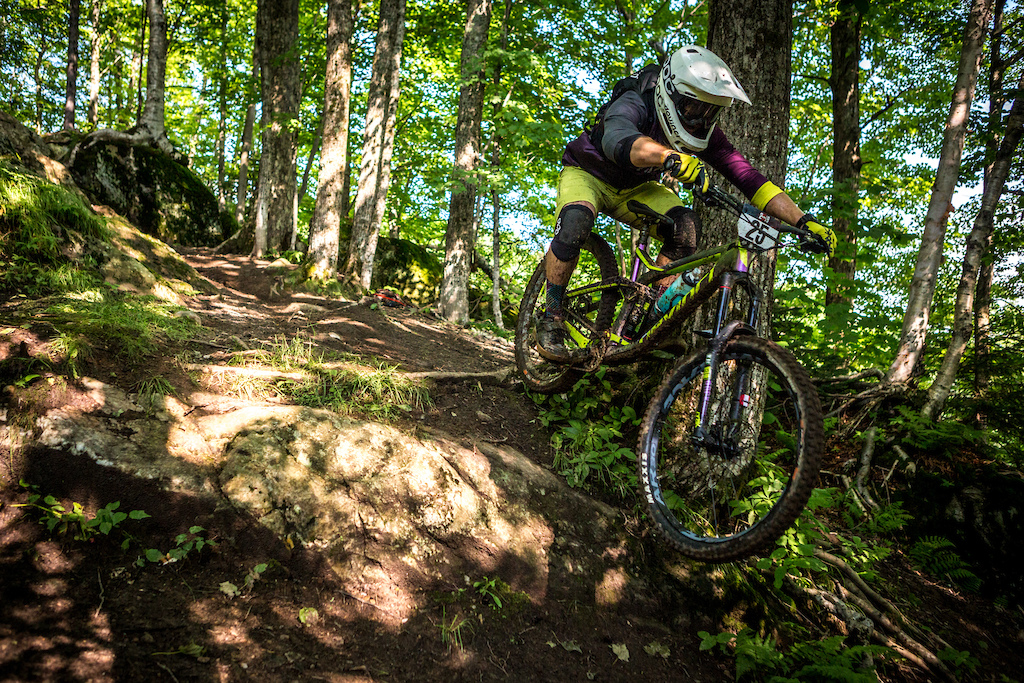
x=681, y=241
x=573, y=226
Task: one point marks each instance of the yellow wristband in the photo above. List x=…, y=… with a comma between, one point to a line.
x=765, y=194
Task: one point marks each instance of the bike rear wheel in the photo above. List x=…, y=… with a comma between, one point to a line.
x=725, y=489
x=590, y=313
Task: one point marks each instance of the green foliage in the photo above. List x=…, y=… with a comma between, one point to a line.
x=43, y=228
x=945, y=438
x=590, y=432
x=760, y=659
x=80, y=524
x=454, y=629
x=184, y=544
x=131, y=327
x=936, y=555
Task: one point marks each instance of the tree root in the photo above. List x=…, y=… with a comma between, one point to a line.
x=493, y=378
x=866, y=613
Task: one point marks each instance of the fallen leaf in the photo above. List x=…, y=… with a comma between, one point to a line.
x=621, y=651
x=656, y=649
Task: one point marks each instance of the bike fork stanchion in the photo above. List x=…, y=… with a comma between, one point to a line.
x=715, y=352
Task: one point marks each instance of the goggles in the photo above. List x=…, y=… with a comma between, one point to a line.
x=696, y=116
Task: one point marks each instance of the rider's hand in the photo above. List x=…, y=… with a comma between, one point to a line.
x=688, y=169
x=824, y=240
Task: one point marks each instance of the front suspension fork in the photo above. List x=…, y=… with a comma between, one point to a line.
x=712, y=436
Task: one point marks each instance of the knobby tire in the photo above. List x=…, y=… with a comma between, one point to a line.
x=537, y=373
x=736, y=493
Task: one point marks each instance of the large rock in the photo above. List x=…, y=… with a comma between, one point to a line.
x=393, y=513
x=151, y=190
x=408, y=269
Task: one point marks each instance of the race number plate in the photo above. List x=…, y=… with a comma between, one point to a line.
x=756, y=230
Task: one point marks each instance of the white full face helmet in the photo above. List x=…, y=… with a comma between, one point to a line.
x=694, y=86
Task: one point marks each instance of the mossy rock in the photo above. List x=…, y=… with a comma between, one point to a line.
x=153, y=191
x=407, y=269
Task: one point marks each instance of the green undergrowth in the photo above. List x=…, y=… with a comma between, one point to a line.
x=592, y=425
x=45, y=232
x=110, y=522
x=381, y=391
x=48, y=244
x=767, y=631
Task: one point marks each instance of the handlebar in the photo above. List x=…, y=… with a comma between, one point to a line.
x=715, y=197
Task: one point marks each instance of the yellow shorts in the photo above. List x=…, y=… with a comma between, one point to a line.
x=575, y=185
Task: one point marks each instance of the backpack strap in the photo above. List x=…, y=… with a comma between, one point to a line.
x=642, y=82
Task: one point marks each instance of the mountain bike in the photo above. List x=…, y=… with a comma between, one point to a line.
x=731, y=442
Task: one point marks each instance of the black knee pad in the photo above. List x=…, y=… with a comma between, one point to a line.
x=685, y=234
x=572, y=228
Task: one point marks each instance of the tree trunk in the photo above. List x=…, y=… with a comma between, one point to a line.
x=93, y=115
x=378, y=143
x=325, y=226
x=222, y=110
x=151, y=123
x=459, y=237
x=845, y=84
x=245, y=143
x=761, y=130
x=137, y=56
x=71, y=86
x=499, y=321
x=983, y=295
x=979, y=238
x=277, y=31
x=926, y=271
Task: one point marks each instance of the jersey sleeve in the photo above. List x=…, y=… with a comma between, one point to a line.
x=622, y=122
x=727, y=160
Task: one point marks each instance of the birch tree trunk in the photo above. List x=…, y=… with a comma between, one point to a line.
x=330, y=209
x=71, y=85
x=979, y=238
x=93, y=115
x=378, y=143
x=277, y=30
x=926, y=270
x=844, y=82
x=983, y=295
x=459, y=238
x=222, y=110
x=151, y=122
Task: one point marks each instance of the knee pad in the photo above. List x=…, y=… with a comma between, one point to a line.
x=681, y=241
x=572, y=228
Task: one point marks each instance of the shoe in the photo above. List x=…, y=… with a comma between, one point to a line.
x=551, y=338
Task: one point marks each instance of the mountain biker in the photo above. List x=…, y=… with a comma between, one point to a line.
x=663, y=121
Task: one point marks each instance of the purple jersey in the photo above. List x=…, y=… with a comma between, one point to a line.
x=603, y=151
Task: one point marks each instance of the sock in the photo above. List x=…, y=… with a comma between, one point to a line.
x=554, y=300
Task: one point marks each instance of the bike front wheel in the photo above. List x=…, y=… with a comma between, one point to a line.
x=722, y=489
x=589, y=314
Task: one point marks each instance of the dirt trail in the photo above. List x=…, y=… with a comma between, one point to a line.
x=76, y=610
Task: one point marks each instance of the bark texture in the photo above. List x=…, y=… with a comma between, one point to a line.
x=759, y=130
x=378, y=143
x=325, y=226
x=277, y=31
x=459, y=238
x=929, y=257
x=844, y=82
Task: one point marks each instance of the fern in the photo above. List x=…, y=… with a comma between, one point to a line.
x=937, y=556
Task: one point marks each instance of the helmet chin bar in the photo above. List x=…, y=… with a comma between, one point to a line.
x=693, y=87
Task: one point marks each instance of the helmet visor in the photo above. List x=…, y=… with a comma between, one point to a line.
x=696, y=116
